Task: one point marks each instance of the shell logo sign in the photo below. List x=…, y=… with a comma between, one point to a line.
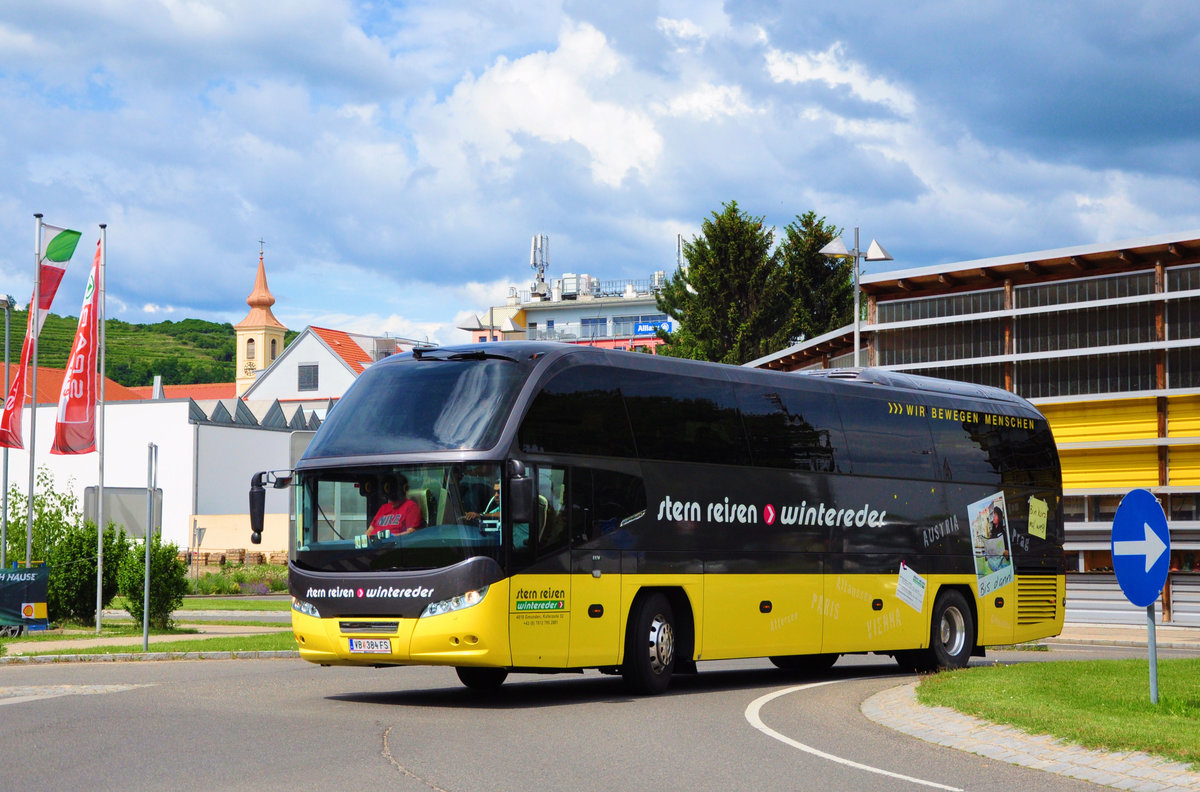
x=33, y=610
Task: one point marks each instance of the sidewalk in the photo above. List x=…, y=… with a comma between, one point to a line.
x=1127, y=635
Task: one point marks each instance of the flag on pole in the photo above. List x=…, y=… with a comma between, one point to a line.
x=75, y=426
x=55, y=251
x=58, y=245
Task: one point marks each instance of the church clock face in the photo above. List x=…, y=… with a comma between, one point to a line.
x=249, y=368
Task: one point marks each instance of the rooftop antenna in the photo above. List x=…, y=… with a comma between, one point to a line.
x=539, y=258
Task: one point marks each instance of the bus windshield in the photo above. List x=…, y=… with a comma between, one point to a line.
x=401, y=405
x=397, y=517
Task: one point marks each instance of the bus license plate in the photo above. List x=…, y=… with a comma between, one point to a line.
x=371, y=645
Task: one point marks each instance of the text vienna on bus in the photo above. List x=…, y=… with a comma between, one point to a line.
x=535, y=507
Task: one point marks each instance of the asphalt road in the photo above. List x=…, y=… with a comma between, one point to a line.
x=288, y=725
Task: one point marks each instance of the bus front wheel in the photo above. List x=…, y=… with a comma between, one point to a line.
x=482, y=678
x=650, y=645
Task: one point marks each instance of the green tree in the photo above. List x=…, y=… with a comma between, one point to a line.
x=168, y=582
x=819, y=289
x=727, y=298
x=54, y=514
x=71, y=593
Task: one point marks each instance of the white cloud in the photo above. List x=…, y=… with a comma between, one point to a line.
x=552, y=97
x=684, y=33
x=833, y=69
x=709, y=101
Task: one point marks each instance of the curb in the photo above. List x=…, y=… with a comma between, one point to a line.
x=1058, y=640
x=122, y=657
x=898, y=709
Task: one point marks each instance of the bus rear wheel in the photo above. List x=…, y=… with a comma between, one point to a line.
x=951, y=637
x=482, y=678
x=805, y=664
x=650, y=645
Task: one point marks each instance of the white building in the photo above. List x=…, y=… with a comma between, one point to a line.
x=576, y=309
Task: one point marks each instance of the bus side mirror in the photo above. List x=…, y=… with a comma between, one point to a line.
x=520, y=492
x=258, y=506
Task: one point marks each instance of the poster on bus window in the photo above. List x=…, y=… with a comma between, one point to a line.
x=990, y=539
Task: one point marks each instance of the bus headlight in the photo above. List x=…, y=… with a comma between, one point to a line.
x=307, y=608
x=457, y=603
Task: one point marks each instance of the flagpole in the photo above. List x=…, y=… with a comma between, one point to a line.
x=33, y=307
x=100, y=433
x=8, y=305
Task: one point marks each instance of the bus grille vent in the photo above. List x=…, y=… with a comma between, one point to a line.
x=369, y=627
x=1037, y=598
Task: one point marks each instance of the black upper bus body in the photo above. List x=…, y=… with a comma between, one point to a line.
x=645, y=464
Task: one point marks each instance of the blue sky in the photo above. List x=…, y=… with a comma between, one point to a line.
x=397, y=157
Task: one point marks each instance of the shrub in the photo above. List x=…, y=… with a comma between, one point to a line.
x=71, y=593
x=242, y=580
x=168, y=582
x=54, y=513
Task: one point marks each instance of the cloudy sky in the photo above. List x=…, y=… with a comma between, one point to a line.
x=397, y=157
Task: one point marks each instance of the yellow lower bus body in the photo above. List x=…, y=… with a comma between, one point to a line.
x=579, y=621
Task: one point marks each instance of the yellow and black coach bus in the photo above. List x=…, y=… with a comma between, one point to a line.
x=587, y=508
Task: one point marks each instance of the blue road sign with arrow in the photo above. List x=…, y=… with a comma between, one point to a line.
x=1141, y=544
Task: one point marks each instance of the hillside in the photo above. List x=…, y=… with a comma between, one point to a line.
x=183, y=352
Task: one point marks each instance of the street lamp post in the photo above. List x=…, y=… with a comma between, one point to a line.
x=875, y=252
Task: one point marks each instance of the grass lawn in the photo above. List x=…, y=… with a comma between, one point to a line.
x=224, y=604
x=1101, y=704
x=277, y=641
x=110, y=629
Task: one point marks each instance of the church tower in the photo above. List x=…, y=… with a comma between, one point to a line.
x=259, y=335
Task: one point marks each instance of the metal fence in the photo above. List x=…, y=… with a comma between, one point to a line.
x=1096, y=598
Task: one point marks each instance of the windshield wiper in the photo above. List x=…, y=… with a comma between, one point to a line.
x=474, y=355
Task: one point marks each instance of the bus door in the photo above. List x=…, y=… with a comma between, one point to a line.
x=606, y=510
x=540, y=594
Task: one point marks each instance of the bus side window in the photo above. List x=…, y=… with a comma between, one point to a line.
x=551, y=519
x=579, y=411
x=617, y=501
x=967, y=448
x=684, y=418
x=603, y=502
x=793, y=430
x=888, y=438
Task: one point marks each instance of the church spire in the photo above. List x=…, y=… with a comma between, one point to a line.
x=260, y=300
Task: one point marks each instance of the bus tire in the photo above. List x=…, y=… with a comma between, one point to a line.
x=805, y=664
x=951, y=637
x=482, y=678
x=650, y=645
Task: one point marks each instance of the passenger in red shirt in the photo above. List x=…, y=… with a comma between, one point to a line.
x=400, y=514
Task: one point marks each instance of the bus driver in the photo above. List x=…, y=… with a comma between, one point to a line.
x=399, y=514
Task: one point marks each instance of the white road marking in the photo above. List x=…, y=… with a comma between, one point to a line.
x=19, y=695
x=753, y=717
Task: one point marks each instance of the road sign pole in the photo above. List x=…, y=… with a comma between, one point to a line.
x=1141, y=554
x=1153, y=654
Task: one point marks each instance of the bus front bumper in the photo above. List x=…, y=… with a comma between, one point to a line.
x=473, y=636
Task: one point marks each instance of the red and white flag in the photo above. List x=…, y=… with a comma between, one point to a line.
x=57, y=247
x=75, y=426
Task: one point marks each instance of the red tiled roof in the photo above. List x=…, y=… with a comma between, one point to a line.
x=49, y=385
x=204, y=390
x=344, y=347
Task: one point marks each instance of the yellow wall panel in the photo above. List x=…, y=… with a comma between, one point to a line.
x=1183, y=416
x=1184, y=467
x=1125, y=467
x=1122, y=419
